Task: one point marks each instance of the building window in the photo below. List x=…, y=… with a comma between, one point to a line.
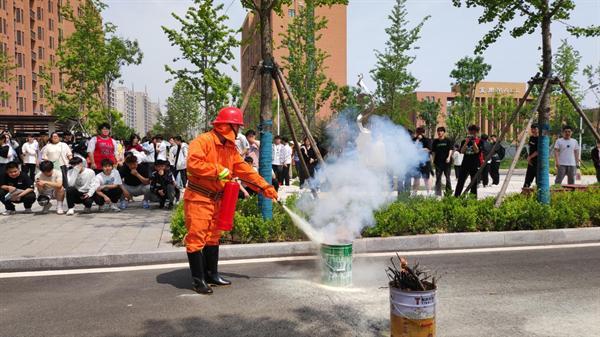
x=291, y=13
x=41, y=53
x=51, y=59
x=20, y=60
x=40, y=34
x=21, y=103
x=21, y=82
x=40, y=13
x=42, y=91
x=52, y=78
x=51, y=25
x=50, y=6
x=20, y=38
x=18, y=15
x=3, y=4
x=60, y=35
x=3, y=28
x=51, y=42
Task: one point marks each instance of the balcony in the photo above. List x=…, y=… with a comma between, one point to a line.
x=32, y=15
x=34, y=77
x=35, y=97
x=33, y=56
x=32, y=35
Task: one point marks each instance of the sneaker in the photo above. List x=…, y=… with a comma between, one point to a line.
x=145, y=204
x=114, y=208
x=46, y=208
x=123, y=204
x=60, y=211
x=7, y=212
x=87, y=210
x=27, y=211
x=70, y=211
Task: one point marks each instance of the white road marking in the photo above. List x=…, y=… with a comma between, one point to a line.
x=289, y=258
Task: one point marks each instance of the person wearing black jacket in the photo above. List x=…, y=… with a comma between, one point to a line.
x=16, y=187
x=162, y=185
x=311, y=160
x=596, y=160
x=495, y=161
x=531, y=173
x=486, y=148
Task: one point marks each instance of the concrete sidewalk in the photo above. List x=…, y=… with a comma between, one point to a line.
x=136, y=235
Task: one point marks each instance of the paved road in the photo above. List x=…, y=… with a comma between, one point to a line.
x=550, y=292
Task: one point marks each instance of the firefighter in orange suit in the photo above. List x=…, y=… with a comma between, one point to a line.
x=212, y=160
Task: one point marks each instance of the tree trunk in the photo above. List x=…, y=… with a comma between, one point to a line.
x=310, y=60
x=266, y=101
x=543, y=178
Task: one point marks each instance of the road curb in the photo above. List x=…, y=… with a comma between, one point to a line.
x=263, y=250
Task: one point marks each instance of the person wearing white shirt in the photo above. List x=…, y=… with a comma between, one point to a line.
x=29, y=151
x=457, y=159
x=59, y=154
x=109, y=187
x=177, y=159
x=160, y=148
x=49, y=184
x=7, y=154
x=286, y=160
x=277, y=163
x=566, y=155
x=241, y=142
x=81, y=186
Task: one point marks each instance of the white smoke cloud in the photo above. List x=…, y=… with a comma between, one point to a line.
x=356, y=181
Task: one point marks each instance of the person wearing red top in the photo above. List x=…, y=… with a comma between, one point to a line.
x=102, y=147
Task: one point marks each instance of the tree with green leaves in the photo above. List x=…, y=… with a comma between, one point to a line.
x=182, y=115
x=566, y=67
x=88, y=60
x=532, y=15
x=304, y=63
x=7, y=67
x=263, y=9
x=205, y=42
x=429, y=110
x=395, y=83
x=468, y=72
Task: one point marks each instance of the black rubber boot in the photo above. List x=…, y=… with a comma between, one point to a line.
x=211, y=254
x=196, y=260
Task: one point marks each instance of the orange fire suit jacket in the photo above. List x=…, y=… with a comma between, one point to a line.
x=207, y=157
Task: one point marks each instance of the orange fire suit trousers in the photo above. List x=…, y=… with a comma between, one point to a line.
x=201, y=224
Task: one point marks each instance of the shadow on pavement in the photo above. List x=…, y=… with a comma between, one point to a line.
x=182, y=279
x=341, y=320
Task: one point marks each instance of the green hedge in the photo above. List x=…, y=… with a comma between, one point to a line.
x=517, y=212
x=424, y=216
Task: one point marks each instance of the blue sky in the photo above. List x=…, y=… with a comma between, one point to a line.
x=450, y=34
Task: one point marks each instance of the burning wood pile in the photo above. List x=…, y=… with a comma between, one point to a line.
x=409, y=278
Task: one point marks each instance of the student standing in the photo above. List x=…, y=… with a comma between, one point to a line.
x=425, y=166
x=286, y=159
x=101, y=147
x=59, y=154
x=29, y=152
x=178, y=158
x=566, y=155
x=471, y=161
x=442, y=160
x=495, y=161
x=277, y=162
x=596, y=160
x=457, y=159
x=531, y=173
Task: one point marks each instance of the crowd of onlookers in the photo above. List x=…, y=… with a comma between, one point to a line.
x=97, y=170
x=468, y=156
x=109, y=172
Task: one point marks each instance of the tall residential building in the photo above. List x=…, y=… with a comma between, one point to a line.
x=138, y=112
x=30, y=31
x=333, y=41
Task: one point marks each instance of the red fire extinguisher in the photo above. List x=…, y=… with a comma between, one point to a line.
x=228, y=203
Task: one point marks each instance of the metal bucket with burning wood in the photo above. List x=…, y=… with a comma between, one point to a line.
x=336, y=261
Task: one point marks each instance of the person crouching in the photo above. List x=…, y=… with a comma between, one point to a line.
x=162, y=185
x=16, y=187
x=109, y=187
x=49, y=184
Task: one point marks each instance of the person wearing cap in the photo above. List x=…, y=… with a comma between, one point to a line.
x=213, y=160
x=101, y=147
x=49, y=185
x=532, y=147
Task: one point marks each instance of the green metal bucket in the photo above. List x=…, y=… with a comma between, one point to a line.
x=336, y=265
